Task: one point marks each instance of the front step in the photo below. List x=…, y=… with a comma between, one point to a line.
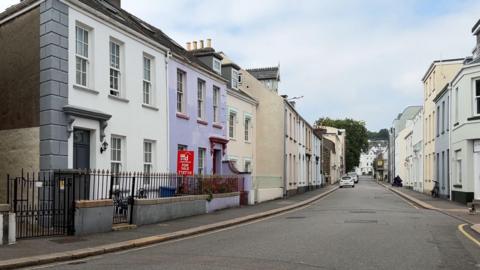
x=123, y=227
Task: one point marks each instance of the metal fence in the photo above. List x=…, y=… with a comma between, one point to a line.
x=44, y=202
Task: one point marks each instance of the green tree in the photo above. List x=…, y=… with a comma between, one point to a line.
x=356, y=139
x=382, y=134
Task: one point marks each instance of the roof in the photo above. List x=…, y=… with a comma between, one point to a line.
x=475, y=26
x=15, y=8
x=441, y=93
x=131, y=21
x=265, y=73
x=206, y=52
x=328, y=144
x=438, y=62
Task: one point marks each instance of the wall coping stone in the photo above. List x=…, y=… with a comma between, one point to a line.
x=4, y=207
x=170, y=199
x=224, y=195
x=92, y=204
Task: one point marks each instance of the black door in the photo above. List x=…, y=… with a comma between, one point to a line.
x=81, y=149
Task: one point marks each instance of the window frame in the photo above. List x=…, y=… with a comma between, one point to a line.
x=249, y=162
x=215, y=62
x=232, y=124
x=476, y=97
x=80, y=56
x=148, y=81
x=458, y=166
x=234, y=79
x=246, y=135
x=146, y=163
x=116, y=155
x=115, y=67
x=181, y=90
x=201, y=168
x=216, y=104
x=201, y=90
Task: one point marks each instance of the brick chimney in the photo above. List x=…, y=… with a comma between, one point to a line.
x=116, y=3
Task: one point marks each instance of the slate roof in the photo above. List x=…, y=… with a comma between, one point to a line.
x=134, y=23
x=206, y=52
x=266, y=73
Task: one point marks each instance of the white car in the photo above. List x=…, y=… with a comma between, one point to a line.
x=354, y=175
x=347, y=181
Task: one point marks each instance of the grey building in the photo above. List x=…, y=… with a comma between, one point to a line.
x=442, y=141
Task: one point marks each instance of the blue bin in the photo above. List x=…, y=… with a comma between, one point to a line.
x=167, y=192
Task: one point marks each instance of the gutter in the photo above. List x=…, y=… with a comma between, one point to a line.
x=284, y=151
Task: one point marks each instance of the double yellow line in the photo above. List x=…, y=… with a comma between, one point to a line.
x=462, y=230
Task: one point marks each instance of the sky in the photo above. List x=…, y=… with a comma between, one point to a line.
x=361, y=59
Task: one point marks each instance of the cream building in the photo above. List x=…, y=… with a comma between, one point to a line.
x=437, y=76
x=337, y=160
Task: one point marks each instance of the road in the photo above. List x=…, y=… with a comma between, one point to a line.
x=366, y=227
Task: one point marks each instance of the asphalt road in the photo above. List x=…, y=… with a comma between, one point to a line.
x=366, y=227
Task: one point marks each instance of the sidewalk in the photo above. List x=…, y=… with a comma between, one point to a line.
x=47, y=246
x=448, y=207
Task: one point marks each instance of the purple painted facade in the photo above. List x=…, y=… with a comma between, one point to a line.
x=186, y=128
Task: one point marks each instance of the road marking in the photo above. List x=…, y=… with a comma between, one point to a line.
x=460, y=228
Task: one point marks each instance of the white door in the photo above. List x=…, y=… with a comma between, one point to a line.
x=476, y=173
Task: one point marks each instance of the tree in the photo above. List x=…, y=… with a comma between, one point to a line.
x=356, y=139
x=382, y=134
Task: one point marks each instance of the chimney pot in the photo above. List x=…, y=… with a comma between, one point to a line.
x=201, y=44
x=194, y=45
x=189, y=46
x=209, y=42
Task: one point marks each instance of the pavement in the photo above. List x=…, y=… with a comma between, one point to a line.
x=451, y=208
x=47, y=250
x=366, y=227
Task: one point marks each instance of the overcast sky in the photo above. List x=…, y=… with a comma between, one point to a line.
x=361, y=59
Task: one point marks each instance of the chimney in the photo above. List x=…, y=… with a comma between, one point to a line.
x=116, y=3
x=189, y=46
x=194, y=45
x=284, y=96
x=292, y=103
x=201, y=44
x=209, y=42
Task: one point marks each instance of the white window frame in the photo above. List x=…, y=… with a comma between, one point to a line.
x=476, y=97
x=245, y=162
x=181, y=90
x=148, y=93
x=234, y=78
x=201, y=89
x=217, y=65
x=456, y=105
x=216, y=104
x=116, y=66
x=247, y=128
x=232, y=124
x=82, y=55
x=201, y=160
x=458, y=165
x=116, y=154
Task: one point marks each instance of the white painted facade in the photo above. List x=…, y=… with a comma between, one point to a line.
x=316, y=160
x=416, y=175
x=465, y=133
x=132, y=120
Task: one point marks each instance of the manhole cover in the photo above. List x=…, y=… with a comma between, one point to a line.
x=360, y=221
x=67, y=240
x=294, y=217
x=363, y=212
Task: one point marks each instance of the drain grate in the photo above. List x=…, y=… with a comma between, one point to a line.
x=295, y=217
x=362, y=221
x=363, y=211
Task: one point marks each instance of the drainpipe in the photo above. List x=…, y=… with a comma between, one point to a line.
x=284, y=150
x=168, y=55
x=450, y=127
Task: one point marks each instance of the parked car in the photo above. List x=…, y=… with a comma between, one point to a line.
x=347, y=181
x=354, y=175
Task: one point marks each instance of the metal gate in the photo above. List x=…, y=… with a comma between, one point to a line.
x=43, y=204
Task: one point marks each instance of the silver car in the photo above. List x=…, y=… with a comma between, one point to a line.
x=347, y=181
x=354, y=175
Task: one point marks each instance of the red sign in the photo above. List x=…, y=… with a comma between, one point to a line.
x=185, y=162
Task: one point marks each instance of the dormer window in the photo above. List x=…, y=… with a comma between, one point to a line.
x=217, y=66
x=234, y=79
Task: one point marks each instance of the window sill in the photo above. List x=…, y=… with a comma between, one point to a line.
x=217, y=125
x=457, y=186
x=150, y=107
x=248, y=142
x=85, y=89
x=456, y=124
x=124, y=100
x=183, y=116
x=231, y=139
x=202, y=122
x=474, y=118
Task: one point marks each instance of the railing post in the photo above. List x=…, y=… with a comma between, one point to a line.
x=132, y=200
x=111, y=186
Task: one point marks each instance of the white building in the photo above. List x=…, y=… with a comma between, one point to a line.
x=367, y=159
x=416, y=172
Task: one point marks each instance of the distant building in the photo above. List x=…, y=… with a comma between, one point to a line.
x=366, y=164
x=269, y=76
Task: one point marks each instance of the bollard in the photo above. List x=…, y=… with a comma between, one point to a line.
x=11, y=229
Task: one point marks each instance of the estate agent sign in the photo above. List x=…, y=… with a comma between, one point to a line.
x=185, y=162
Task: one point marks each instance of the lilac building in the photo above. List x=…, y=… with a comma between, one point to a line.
x=197, y=112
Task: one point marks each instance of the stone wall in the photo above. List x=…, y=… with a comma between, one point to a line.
x=223, y=201
x=93, y=216
x=19, y=149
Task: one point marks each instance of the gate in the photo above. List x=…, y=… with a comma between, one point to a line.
x=43, y=204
